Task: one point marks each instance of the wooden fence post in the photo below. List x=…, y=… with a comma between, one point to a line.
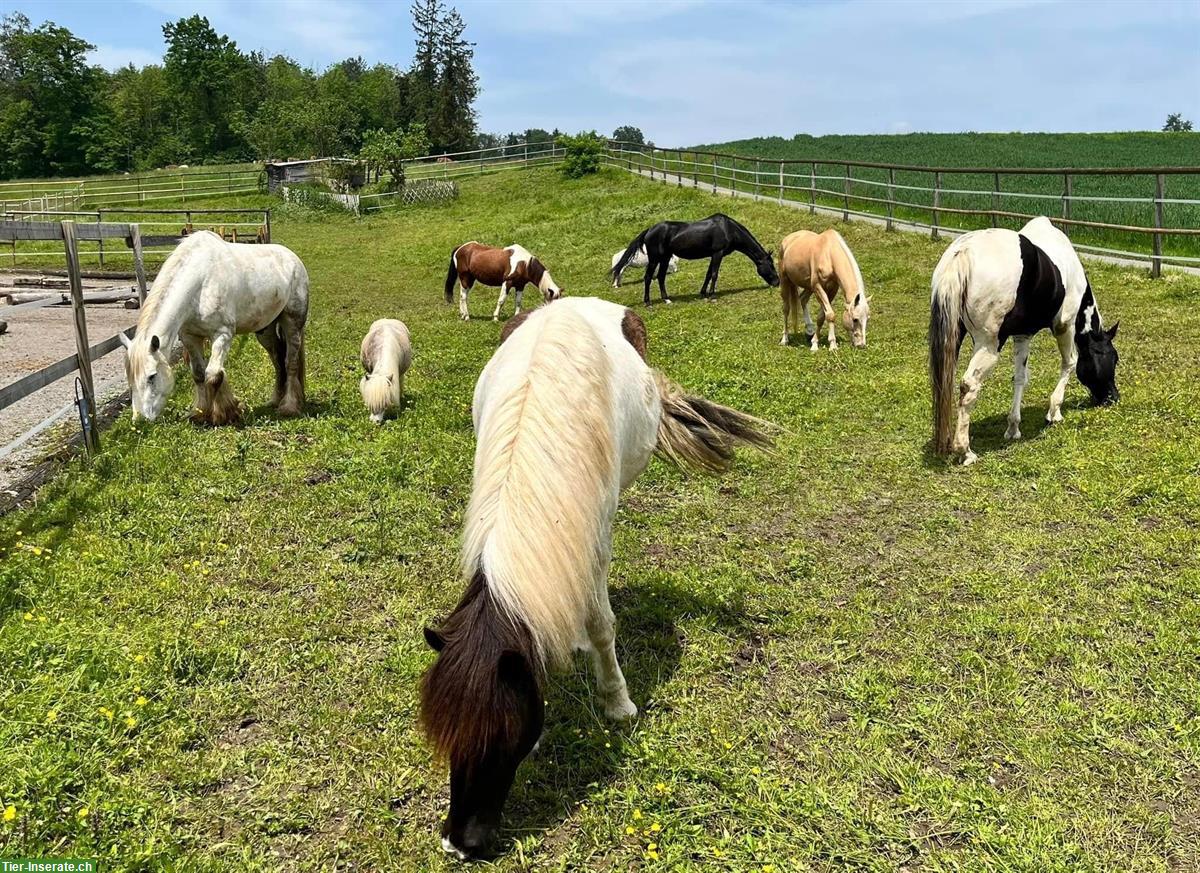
x=71, y=244
x=781, y=183
x=846, y=195
x=678, y=168
x=757, y=170
x=812, y=188
x=101, y=241
x=1156, y=262
x=695, y=162
x=937, y=201
x=139, y=266
x=268, y=225
x=995, y=199
x=1066, y=205
x=891, y=204
x=714, y=162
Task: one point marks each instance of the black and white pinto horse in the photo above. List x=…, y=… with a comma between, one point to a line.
x=714, y=237
x=995, y=284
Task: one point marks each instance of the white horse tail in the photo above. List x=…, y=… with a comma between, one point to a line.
x=631, y=250
x=695, y=432
x=862, y=288
x=950, y=279
x=545, y=480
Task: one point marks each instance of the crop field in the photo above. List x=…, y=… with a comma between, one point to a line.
x=847, y=655
x=1070, y=150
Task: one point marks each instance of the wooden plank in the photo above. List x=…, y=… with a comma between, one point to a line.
x=156, y=241
x=82, y=349
x=1156, y=261
x=139, y=266
x=93, y=232
x=30, y=231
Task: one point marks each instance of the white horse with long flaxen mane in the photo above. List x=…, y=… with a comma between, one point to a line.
x=386, y=355
x=209, y=290
x=567, y=413
x=994, y=284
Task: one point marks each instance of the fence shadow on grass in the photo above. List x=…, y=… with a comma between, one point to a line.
x=581, y=749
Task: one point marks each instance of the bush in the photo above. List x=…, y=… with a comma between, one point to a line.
x=387, y=150
x=584, y=154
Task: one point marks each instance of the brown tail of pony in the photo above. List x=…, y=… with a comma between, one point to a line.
x=945, y=321
x=695, y=432
x=452, y=275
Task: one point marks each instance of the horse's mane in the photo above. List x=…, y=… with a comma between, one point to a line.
x=166, y=276
x=751, y=237
x=544, y=464
x=465, y=709
x=862, y=288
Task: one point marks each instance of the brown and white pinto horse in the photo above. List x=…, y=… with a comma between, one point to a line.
x=822, y=264
x=567, y=414
x=512, y=267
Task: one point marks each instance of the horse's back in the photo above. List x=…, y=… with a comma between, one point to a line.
x=1057, y=246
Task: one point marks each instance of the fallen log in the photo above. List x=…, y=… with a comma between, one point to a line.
x=108, y=295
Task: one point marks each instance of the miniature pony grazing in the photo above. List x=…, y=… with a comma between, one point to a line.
x=513, y=267
x=822, y=264
x=386, y=355
x=566, y=414
x=209, y=289
x=639, y=259
x=995, y=284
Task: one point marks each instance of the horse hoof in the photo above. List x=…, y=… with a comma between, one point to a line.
x=288, y=410
x=969, y=458
x=621, y=709
x=668, y=301
x=784, y=341
x=1012, y=434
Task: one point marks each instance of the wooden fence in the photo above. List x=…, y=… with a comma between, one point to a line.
x=64, y=195
x=827, y=184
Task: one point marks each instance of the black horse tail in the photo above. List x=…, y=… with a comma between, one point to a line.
x=638, y=242
x=451, y=275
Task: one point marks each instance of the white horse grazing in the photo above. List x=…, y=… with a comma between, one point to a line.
x=639, y=259
x=386, y=354
x=995, y=284
x=209, y=289
x=566, y=415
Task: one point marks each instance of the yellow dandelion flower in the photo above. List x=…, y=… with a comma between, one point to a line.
x=52, y=716
x=652, y=847
x=717, y=853
x=656, y=827
x=660, y=787
x=42, y=618
x=756, y=771
x=768, y=868
x=729, y=745
x=653, y=856
x=141, y=701
x=10, y=812
x=83, y=812
x=37, y=551
x=28, y=616
x=130, y=721
x=637, y=813
x=137, y=659
x=630, y=830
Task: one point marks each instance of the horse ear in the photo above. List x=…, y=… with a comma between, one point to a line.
x=154, y=344
x=1112, y=331
x=434, y=639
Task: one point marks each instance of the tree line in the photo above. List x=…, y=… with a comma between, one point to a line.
x=210, y=102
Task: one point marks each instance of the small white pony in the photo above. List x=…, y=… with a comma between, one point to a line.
x=639, y=259
x=386, y=355
x=567, y=413
x=209, y=289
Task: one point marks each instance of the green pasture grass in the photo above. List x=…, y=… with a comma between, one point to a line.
x=847, y=655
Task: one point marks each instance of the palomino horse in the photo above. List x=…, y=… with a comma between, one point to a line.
x=996, y=284
x=513, y=267
x=639, y=259
x=566, y=415
x=386, y=354
x=822, y=264
x=209, y=289
x=714, y=237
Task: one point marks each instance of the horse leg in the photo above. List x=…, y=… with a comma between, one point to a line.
x=517, y=292
x=500, y=300
x=291, y=328
x=716, y=274
x=647, y=279
x=810, y=329
x=662, y=279
x=197, y=363
x=601, y=631
x=1020, y=380
x=826, y=316
x=981, y=365
x=223, y=407
x=465, y=281
x=707, y=278
x=788, y=293
x=1066, y=348
x=269, y=338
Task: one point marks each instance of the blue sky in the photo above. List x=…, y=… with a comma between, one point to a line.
x=691, y=71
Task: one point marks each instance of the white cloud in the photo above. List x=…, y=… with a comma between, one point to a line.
x=112, y=57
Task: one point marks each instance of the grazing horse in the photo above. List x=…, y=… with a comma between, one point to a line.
x=386, y=354
x=822, y=264
x=639, y=259
x=512, y=267
x=713, y=237
x=995, y=284
x=209, y=289
x=566, y=414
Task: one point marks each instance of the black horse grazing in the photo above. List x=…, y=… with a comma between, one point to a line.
x=713, y=237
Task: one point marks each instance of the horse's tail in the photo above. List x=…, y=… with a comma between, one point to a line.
x=451, y=275
x=950, y=279
x=545, y=468
x=695, y=432
x=630, y=251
